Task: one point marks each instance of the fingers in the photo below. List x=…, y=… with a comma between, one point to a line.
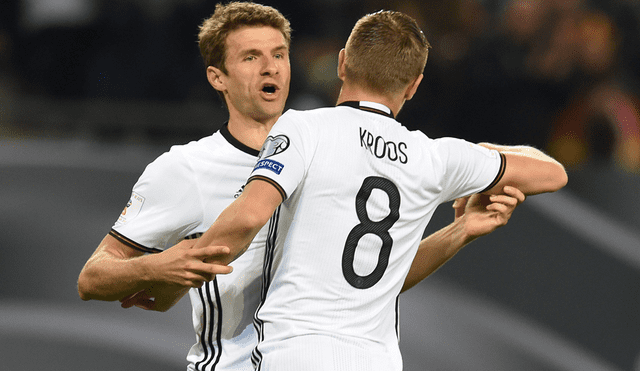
x=498, y=207
x=140, y=299
x=183, y=265
x=459, y=205
x=127, y=303
x=186, y=244
x=209, y=269
x=514, y=192
x=512, y=198
x=197, y=280
x=146, y=304
x=503, y=199
x=210, y=252
x=130, y=296
x=198, y=272
x=203, y=270
x=459, y=202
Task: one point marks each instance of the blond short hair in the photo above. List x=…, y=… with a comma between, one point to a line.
x=385, y=52
x=230, y=17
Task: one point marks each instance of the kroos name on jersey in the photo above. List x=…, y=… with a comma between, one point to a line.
x=382, y=148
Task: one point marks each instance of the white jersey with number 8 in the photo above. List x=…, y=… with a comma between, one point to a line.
x=359, y=190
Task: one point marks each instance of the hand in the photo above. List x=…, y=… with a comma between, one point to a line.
x=141, y=299
x=183, y=265
x=483, y=213
x=146, y=299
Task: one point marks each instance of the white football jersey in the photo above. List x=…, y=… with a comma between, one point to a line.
x=179, y=196
x=359, y=191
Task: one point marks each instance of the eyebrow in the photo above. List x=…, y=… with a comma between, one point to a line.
x=258, y=51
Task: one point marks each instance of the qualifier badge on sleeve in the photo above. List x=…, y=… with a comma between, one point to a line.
x=132, y=209
x=272, y=146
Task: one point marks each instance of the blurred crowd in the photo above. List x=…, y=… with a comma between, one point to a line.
x=562, y=75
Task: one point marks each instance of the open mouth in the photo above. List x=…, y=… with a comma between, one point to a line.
x=269, y=88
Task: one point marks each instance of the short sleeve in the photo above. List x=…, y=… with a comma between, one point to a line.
x=285, y=154
x=468, y=168
x=163, y=205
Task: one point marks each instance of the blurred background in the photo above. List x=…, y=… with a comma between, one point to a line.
x=91, y=91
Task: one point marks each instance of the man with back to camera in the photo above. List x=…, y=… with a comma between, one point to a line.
x=351, y=191
x=245, y=47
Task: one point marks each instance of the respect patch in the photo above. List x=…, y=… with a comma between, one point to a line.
x=272, y=165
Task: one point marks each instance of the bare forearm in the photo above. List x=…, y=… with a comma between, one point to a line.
x=475, y=216
x=105, y=277
x=117, y=272
x=522, y=150
x=238, y=224
x=435, y=250
x=232, y=229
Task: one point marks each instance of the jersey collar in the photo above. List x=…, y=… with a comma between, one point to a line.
x=370, y=107
x=224, y=130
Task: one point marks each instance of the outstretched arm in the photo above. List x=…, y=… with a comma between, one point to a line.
x=162, y=296
x=238, y=224
x=233, y=231
x=475, y=216
x=528, y=169
x=116, y=271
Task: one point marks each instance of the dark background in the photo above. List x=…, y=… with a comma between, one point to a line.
x=91, y=91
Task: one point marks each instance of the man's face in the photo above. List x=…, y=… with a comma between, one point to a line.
x=256, y=84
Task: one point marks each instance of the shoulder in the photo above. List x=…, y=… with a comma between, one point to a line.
x=311, y=121
x=181, y=154
x=207, y=145
x=443, y=145
x=454, y=155
x=463, y=147
x=295, y=122
x=309, y=115
x=172, y=161
x=176, y=163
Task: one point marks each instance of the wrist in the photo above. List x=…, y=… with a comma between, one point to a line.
x=465, y=230
x=144, y=265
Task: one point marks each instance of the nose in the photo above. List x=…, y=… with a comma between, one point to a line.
x=270, y=66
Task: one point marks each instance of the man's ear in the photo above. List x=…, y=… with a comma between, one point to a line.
x=341, y=57
x=413, y=87
x=216, y=78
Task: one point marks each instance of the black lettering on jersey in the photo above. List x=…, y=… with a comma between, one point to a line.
x=381, y=148
x=393, y=151
x=404, y=158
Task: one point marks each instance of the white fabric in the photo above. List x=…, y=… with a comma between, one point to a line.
x=321, y=159
x=180, y=195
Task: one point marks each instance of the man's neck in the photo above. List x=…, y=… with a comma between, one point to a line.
x=353, y=93
x=250, y=132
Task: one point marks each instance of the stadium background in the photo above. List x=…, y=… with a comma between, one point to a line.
x=92, y=90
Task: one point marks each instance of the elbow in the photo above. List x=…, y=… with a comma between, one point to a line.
x=565, y=180
x=560, y=179
x=84, y=286
x=553, y=180
x=548, y=183
x=82, y=291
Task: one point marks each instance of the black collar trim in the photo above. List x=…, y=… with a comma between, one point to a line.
x=224, y=130
x=367, y=106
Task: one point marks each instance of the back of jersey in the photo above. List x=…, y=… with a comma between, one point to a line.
x=360, y=190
